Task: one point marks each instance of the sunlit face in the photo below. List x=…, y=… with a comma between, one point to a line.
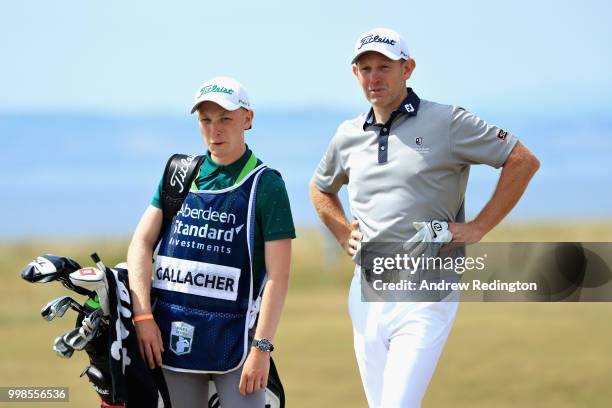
x=223, y=130
x=383, y=80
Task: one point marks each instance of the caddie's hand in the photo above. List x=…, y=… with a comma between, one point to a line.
x=255, y=372
x=353, y=244
x=468, y=233
x=149, y=342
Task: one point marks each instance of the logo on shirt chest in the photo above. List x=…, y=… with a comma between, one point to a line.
x=420, y=146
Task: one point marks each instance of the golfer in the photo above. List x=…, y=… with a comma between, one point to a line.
x=231, y=237
x=406, y=165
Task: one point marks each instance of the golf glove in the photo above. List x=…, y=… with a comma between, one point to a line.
x=428, y=233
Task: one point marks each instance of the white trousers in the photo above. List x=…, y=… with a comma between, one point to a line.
x=397, y=346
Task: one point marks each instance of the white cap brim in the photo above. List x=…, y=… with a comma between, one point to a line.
x=391, y=55
x=219, y=100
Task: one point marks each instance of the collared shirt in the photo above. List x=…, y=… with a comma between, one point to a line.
x=409, y=106
x=413, y=168
x=215, y=176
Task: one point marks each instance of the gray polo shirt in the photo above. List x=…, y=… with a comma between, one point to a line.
x=413, y=168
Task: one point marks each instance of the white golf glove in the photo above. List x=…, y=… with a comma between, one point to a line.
x=432, y=231
x=435, y=232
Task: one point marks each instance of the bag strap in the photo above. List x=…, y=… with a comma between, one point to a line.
x=180, y=172
x=275, y=384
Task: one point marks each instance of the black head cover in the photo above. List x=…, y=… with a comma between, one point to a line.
x=48, y=268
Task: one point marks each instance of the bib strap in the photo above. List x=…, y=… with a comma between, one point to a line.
x=248, y=167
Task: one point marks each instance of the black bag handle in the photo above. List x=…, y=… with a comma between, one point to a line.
x=179, y=174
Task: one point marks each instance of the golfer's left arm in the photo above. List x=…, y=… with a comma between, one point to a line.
x=517, y=171
x=257, y=365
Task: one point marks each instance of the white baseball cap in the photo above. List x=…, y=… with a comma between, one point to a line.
x=383, y=40
x=224, y=91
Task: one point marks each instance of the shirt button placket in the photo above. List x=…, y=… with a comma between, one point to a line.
x=383, y=140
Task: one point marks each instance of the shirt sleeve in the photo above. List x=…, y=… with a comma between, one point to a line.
x=156, y=202
x=473, y=141
x=273, y=210
x=330, y=174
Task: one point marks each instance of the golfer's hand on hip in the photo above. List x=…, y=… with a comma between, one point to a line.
x=255, y=372
x=468, y=233
x=150, y=342
x=353, y=243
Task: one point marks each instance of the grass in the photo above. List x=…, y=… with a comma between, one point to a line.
x=498, y=354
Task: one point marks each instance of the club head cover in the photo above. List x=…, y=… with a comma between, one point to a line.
x=46, y=268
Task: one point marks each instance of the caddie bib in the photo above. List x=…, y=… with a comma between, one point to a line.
x=206, y=297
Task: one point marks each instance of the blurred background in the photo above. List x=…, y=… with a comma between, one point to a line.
x=96, y=96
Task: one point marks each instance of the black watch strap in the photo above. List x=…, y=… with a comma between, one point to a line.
x=263, y=345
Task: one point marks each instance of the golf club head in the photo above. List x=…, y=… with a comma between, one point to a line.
x=92, y=280
x=58, y=307
x=93, y=372
x=62, y=349
x=94, y=321
x=90, y=327
x=77, y=338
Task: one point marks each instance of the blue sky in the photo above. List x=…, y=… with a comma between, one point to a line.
x=95, y=95
x=130, y=57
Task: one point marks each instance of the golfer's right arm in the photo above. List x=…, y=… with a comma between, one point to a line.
x=139, y=258
x=330, y=210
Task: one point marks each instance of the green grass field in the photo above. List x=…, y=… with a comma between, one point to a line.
x=498, y=354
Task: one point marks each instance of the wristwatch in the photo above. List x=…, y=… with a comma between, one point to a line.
x=263, y=345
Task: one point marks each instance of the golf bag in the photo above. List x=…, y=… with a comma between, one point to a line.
x=131, y=381
x=116, y=371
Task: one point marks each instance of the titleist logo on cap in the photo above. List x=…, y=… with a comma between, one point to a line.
x=375, y=38
x=215, y=88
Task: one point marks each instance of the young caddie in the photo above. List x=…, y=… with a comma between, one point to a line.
x=222, y=262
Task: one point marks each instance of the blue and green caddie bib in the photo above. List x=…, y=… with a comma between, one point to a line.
x=206, y=298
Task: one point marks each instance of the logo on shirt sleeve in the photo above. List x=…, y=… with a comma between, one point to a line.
x=501, y=134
